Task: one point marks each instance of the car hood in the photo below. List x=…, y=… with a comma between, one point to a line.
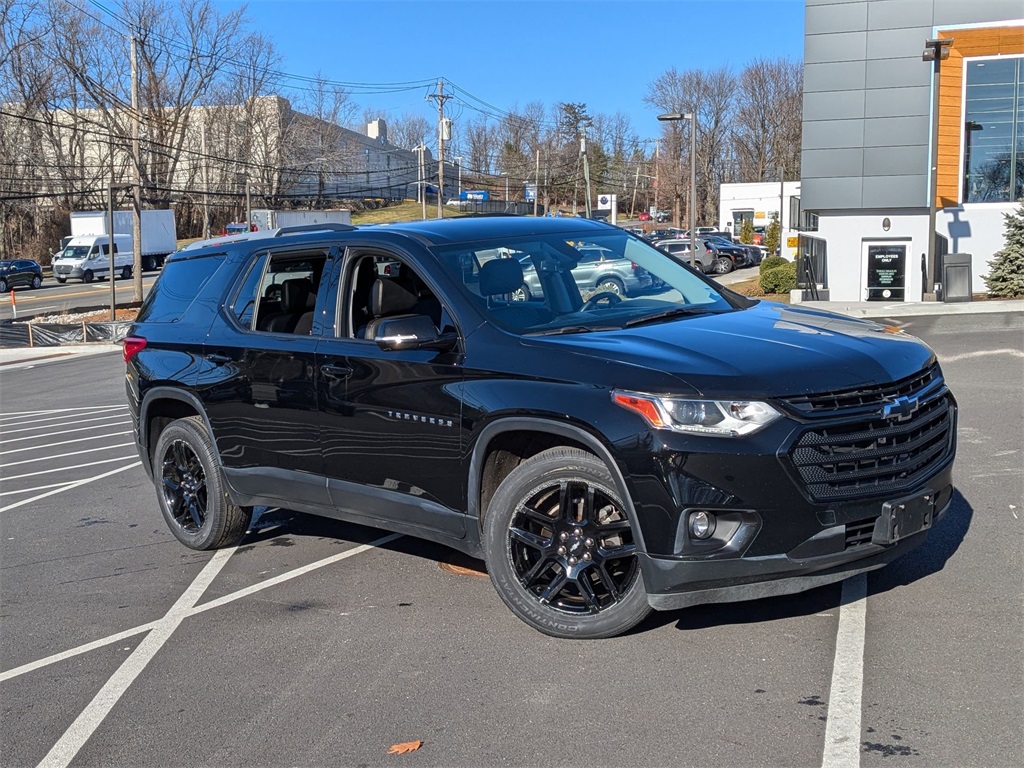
x=768, y=350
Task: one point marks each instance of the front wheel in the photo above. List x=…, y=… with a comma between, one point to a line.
x=561, y=551
x=610, y=285
x=193, y=499
x=523, y=294
x=3, y=285
x=87, y=276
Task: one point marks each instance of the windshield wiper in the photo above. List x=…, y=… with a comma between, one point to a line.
x=571, y=329
x=677, y=312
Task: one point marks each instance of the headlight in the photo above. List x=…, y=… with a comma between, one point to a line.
x=717, y=418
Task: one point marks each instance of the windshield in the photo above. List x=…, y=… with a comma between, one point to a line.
x=76, y=252
x=560, y=283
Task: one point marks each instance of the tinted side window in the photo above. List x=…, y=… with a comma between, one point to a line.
x=181, y=282
x=244, y=306
x=279, y=292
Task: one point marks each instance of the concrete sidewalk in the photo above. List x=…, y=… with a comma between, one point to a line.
x=14, y=357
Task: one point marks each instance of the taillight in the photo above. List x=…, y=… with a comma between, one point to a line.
x=131, y=346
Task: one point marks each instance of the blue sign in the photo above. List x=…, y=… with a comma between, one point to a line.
x=475, y=194
x=531, y=192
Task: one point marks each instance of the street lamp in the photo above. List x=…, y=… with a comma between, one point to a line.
x=935, y=51
x=692, y=117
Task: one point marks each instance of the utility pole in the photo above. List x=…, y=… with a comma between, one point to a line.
x=536, y=188
x=586, y=171
x=136, y=188
x=441, y=126
x=657, y=163
x=636, y=183
x=206, y=184
x=423, y=178
x=248, y=204
x=782, y=196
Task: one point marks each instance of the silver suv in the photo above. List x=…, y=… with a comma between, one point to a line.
x=599, y=270
x=680, y=249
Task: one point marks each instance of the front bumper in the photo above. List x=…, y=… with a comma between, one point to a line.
x=63, y=271
x=672, y=583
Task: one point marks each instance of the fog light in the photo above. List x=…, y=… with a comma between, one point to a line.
x=702, y=525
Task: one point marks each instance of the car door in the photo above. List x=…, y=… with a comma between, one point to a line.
x=258, y=382
x=390, y=419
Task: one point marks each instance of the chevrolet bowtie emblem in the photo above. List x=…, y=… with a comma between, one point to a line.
x=900, y=408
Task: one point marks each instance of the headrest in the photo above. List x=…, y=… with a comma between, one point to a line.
x=389, y=298
x=500, y=276
x=294, y=294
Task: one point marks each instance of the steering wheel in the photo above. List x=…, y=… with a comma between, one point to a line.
x=597, y=298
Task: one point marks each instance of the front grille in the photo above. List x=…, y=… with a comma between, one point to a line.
x=880, y=455
x=837, y=402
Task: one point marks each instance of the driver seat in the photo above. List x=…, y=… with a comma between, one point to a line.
x=501, y=278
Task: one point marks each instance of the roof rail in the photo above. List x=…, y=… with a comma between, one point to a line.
x=314, y=228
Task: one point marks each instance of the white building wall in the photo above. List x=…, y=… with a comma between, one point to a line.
x=975, y=229
x=763, y=199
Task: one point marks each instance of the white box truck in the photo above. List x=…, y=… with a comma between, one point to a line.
x=269, y=219
x=86, y=257
x=159, y=235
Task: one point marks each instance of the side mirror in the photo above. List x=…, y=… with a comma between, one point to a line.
x=412, y=332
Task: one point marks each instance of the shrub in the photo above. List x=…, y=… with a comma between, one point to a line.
x=781, y=279
x=747, y=231
x=772, y=262
x=1006, y=275
x=772, y=235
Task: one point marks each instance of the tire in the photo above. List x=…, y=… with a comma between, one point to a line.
x=722, y=265
x=149, y=263
x=3, y=285
x=126, y=273
x=610, y=285
x=564, y=575
x=61, y=280
x=87, y=276
x=190, y=489
x=37, y=282
x=523, y=294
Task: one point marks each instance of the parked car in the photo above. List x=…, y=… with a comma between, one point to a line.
x=752, y=253
x=665, y=233
x=705, y=259
x=603, y=455
x=20, y=272
x=598, y=270
x=727, y=256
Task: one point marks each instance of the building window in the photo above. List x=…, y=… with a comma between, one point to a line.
x=994, y=131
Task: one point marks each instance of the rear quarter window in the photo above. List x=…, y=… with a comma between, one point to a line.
x=181, y=282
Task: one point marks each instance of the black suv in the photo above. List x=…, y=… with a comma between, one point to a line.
x=603, y=455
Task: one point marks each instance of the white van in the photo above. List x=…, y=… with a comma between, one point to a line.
x=85, y=257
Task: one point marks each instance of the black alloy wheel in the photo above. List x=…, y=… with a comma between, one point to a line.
x=192, y=496
x=561, y=550
x=183, y=484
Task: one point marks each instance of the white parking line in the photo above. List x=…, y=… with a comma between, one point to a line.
x=65, y=469
x=104, y=417
x=94, y=408
x=34, y=459
x=35, y=488
x=842, y=731
x=66, y=442
x=223, y=600
x=67, y=431
x=68, y=486
x=64, y=751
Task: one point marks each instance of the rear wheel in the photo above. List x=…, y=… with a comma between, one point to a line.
x=37, y=281
x=610, y=285
x=126, y=273
x=523, y=294
x=560, y=550
x=723, y=265
x=190, y=490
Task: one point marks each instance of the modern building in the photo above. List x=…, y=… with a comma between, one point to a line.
x=758, y=202
x=871, y=103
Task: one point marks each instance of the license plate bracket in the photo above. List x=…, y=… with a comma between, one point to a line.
x=904, y=517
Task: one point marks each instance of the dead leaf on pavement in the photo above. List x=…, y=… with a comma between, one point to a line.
x=406, y=746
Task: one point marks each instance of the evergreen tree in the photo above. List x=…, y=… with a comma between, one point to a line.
x=772, y=235
x=747, y=231
x=1006, y=275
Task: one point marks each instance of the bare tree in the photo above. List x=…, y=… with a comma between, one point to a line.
x=766, y=128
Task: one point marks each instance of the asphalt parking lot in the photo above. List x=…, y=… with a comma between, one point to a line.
x=321, y=643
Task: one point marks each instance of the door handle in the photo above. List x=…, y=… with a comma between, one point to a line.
x=219, y=357
x=335, y=371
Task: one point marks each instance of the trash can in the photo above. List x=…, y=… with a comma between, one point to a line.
x=956, y=277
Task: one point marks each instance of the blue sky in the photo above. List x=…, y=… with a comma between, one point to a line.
x=510, y=52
